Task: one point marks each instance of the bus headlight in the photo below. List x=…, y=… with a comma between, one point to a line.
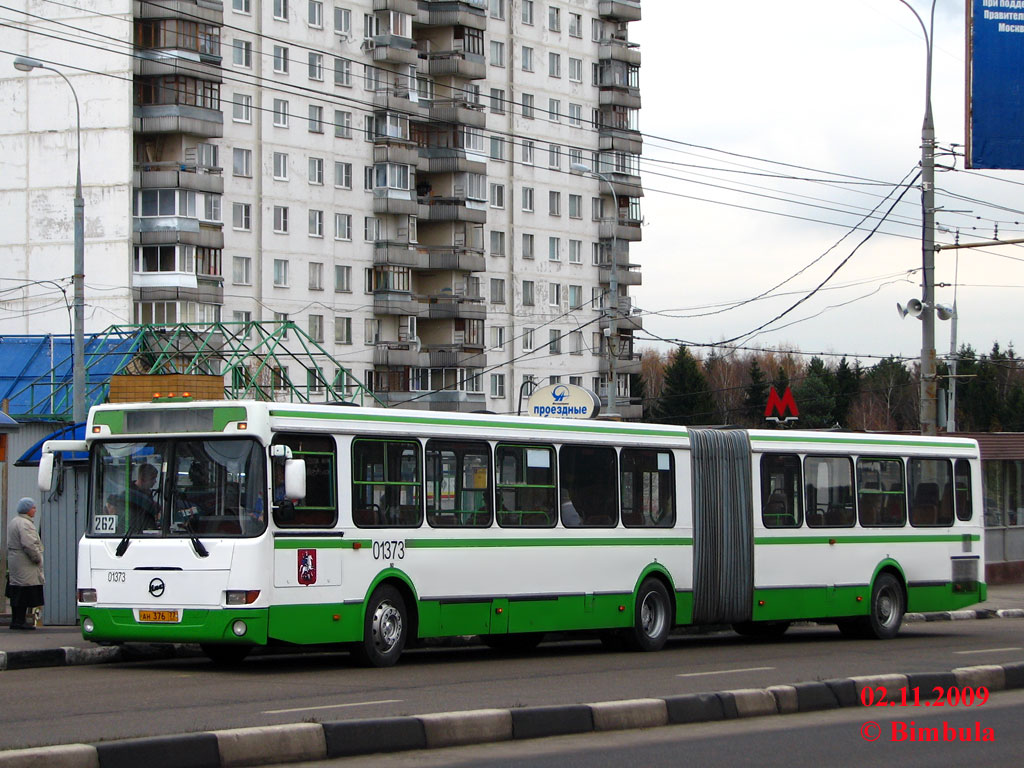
x=239, y=628
x=241, y=596
x=88, y=626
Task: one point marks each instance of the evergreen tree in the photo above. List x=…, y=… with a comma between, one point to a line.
x=755, y=398
x=847, y=387
x=814, y=396
x=686, y=397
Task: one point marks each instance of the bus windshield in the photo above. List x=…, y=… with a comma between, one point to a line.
x=178, y=487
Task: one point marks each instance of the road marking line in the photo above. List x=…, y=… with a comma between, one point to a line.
x=331, y=706
x=726, y=671
x=989, y=650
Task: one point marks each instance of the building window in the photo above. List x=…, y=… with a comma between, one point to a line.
x=281, y=219
x=281, y=10
x=554, y=203
x=575, y=296
x=527, y=11
x=527, y=245
x=316, y=170
x=554, y=110
x=554, y=65
x=280, y=166
x=241, y=6
x=241, y=164
x=497, y=385
x=281, y=273
x=343, y=175
x=528, y=106
x=241, y=110
x=527, y=293
x=342, y=330
x=528, y=151
x=497, y=337
x=575, y=251
x=316, y=329
x=342, y=226
x=371, y=228
x=554, y=342
x=316, y=119
x=280, y=113
x=342, y=279
x=316, y=14
x=316, y=223
x=497, y=196
x=497, y=290
x=241, y=55
x=527, y=339
x=241, y=216
x=498, y=101
x=342, y=124
x=575, y=70
x=554, y=249
x=497, y=243
x=527, y=56
x=554, y=18
x=575, y=25
x=528, y=199
x=316, y=66
x=554, y=156
x=575, y=114
x=241, y=270
x=342, y=72
x=497, y=9
x=497, y=54
x=555, y=294
x=281, y=59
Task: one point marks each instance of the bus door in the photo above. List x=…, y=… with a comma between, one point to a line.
x=723, y=538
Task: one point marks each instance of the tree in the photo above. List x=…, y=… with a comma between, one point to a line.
x=755, y=397
x=686, y=397
x=847, y=387
x=814, y=396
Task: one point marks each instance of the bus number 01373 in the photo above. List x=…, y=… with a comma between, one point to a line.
x=388, y=550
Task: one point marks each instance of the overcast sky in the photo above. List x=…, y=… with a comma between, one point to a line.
x=833, y=86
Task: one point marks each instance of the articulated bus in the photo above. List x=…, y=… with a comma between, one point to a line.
x=236, y=524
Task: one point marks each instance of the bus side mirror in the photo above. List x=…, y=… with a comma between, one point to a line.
x=45, y=480
x=295, y=479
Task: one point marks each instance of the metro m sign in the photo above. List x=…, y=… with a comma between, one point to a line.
x=780, y=406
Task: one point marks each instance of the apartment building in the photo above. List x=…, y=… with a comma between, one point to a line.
x=440, y=194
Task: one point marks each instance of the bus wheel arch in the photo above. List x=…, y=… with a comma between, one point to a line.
x=653, y=612
x=887, y=606
x=390, y=620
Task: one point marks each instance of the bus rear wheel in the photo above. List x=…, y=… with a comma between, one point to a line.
x=652, y=618
x=385, y=629
x=887, y=608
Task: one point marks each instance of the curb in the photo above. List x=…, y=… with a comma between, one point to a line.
x=72, y=656
x=326, y=741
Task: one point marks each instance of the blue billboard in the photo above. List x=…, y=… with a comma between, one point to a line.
x=995, y=84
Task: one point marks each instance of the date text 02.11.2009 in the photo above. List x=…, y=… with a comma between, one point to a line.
x=938, y=696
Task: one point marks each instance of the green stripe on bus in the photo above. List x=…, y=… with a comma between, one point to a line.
x=560, y=426
x=866, y=539
x=867, y=441
x=482, y=543
x=320, y=543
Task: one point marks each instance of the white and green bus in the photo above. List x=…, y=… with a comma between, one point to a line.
x=238, y=524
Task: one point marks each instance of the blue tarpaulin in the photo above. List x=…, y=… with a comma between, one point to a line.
x=30, y=458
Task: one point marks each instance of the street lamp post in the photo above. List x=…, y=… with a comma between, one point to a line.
x=613, y=289
x=928, y=412
x=27, y=64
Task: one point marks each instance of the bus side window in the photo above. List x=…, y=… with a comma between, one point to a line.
x=647, y=487
x=386, y=483
x=962, y=480
x=458, y=491
x=320, y=507
x=780, y=491
x=526, y=485
x=880, y=496
x=829, y=492
x=930, y=485
x=588, y=486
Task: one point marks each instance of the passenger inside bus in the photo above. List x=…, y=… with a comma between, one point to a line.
x=143, y=511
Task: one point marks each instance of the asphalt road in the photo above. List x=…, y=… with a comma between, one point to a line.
x=93, y=703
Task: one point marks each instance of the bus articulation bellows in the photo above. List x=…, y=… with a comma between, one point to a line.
x=237, y=524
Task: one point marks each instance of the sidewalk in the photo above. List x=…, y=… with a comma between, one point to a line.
x=62, y=646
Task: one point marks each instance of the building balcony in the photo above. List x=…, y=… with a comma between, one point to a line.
x=625, y=184
x=399, y=304
x=453, y=13
x=623, y=229
x=392, y=254
x=209, y=11
x=387, y=150
x=619, y=10
x=619, y=96
x=179, y=118
x=168, y=230
x=620, y=140
x=178, y=175
x=445, y=400
x=451, y=307
x=402, y=6
x=408, y=354
x=440, y=258
x=627, y=323
x=626, y=276
x=436, y=208
x=458, y=112
x=400, y=100
x=619, y=50
x=468, y=66
x=160, y=63
x=446, y=160
x=627, y=363
x=201, y=292
x=393, y=49
x=395, y=202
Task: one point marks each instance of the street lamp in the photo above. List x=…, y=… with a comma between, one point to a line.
x=27, y=64
x=929, y=412
x=613, y=288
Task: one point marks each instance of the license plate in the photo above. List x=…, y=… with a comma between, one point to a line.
x=159, y=617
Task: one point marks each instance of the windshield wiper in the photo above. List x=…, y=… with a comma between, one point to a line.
x=123, y=546
x=197, y=545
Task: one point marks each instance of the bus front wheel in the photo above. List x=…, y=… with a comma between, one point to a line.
x=385, y=630
x=887, y=608
x=652, y=618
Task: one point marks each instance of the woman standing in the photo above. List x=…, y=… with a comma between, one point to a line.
x=24, y=563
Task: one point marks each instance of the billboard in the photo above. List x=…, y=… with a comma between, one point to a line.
x=995, y=84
